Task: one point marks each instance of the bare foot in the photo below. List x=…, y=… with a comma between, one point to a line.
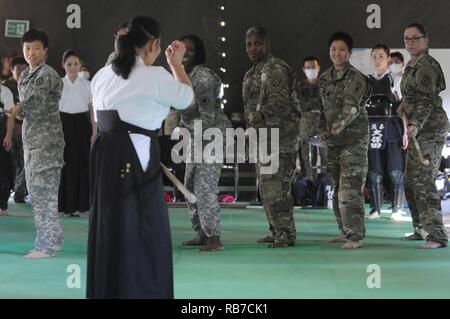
x=413, y=236
x=213, y=244
x=266, y=240
x=338, y=239
x=3, y=212
x=351, y=244
x=56, y=248
x=429, y=244
x=36, y=255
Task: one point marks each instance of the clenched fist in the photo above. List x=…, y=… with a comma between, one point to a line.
x=175, y=52
x=15, y=111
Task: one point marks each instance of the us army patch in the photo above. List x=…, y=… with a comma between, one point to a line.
x=276, y=82
x=204, y=100
x=426, y=80
x=39, y=81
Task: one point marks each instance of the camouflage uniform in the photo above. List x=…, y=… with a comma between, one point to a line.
x=343, y=96
x=422, y=82
x=39, y=92
x=202, y=179
x=171, y=122
x=310, y=106
x=20, y=187
x=278, y=110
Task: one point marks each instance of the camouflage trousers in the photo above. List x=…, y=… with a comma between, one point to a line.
x=202, y=179
x=347, y=166
x=307, y=161
x=43, y=185
x=420, y=189
x=277, y=198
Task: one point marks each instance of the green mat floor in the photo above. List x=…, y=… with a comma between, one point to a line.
x=312, y=269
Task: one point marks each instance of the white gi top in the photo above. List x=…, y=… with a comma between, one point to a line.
x=397, y=81
x=6, y=97
x=144, y=99
x=76, y=96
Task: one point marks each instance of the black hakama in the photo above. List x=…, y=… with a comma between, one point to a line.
x=6, y=176
x=6, y=166
x=74, y=186
x=129, y=245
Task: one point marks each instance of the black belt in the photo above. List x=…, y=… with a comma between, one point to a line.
x=109, y=122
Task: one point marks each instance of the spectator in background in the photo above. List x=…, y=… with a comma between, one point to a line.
x=397, y=66
x=121, y=30
x=6, y=67
x=18, y=64
x=75, y=109
x=6, y=163
x=85, y=71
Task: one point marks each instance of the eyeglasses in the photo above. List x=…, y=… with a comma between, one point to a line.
x=413, y=39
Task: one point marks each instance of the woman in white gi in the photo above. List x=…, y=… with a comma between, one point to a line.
x=75, y=109
x=129, y=248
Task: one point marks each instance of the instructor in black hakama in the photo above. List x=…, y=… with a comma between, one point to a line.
x=129, y=245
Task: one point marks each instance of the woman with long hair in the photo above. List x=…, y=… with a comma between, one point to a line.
x=129, y=246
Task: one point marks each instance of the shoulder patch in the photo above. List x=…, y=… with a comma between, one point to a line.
x=39, y=81
x=426, y=81
x=204, y=100
x=276, y=82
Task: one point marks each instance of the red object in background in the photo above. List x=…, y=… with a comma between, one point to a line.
x=226, y=198
x=366, y=192
x=167, y=197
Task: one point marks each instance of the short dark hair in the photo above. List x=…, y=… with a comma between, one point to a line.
x=260, y=32
x=200, y=53
x=381, y=47
x=310, y=58
x=68, y=54
x=398, y=55
x=419, y=27
x=35, y=35
x=18, y=60
x=343, y=36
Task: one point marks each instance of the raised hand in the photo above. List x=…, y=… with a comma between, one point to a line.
x=175, y=53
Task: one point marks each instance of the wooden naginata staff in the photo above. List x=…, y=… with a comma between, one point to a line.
x=416, y=144
x=186, y=193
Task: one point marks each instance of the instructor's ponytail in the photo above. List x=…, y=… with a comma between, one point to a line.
x=141, y=30
x=126, y=56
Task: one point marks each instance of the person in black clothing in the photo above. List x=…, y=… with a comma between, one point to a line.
x=388, y=137
x=6, y=163
x=18, y=64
